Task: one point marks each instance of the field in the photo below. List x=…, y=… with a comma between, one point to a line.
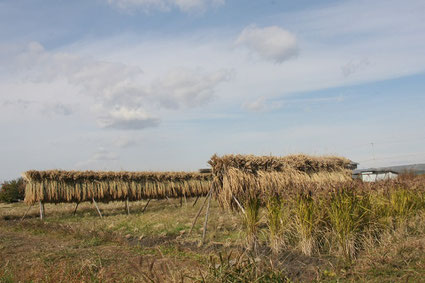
x=154, y=246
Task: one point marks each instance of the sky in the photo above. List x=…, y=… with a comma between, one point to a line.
x=164, y=84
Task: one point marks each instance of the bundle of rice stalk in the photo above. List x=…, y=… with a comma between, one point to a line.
x=301, y=162
x=241, y=185
x=57, y=186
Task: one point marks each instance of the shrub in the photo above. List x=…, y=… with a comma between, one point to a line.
x=12, y=191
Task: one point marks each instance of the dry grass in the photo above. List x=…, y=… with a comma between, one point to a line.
x=153, y=246
x=74, y=186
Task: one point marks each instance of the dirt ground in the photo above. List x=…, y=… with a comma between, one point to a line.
x=155, y=246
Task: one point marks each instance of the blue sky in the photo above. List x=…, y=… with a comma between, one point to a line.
x=164, y=84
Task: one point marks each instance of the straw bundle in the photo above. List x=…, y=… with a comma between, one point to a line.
x=57, y=186
x=247, y=176
x=300, y=162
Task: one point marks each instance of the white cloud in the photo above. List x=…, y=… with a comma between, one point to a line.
x=123, y=99
x=100, y=157
x=166, y=5
x=103, y=155
x=58, y=109
x=48, y=108
x=187, y=88
x=271, y=43
x=97, y=77
x=19, y=103
x=352, y=67
x=128, y=119
x=258, y=105
x=261, y=105
x=126, y=142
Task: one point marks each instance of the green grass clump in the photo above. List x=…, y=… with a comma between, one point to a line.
x=307, y=220
x=277, y=221
x=349, y=216
x=242, y=269
x=251, y=220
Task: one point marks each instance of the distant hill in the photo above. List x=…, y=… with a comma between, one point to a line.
x=415, y=168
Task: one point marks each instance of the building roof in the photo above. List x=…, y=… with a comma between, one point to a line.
x=414, y=168
x=373, y=171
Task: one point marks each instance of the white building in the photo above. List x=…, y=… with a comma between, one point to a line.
x=375, y=175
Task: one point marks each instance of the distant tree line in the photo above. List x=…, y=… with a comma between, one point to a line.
x=12, y=191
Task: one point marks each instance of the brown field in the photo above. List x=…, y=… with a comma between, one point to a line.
x=154, y=246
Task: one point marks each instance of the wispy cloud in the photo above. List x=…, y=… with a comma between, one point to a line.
x=122, y=100
x=100, y=157
x=47, y=108
x=126, y=142
x=187, y=88
x=58, y=109
x=271, y=43
x=128, y=119
x=354, y=66
x=19, y=103
x=261, y=105
x=166, y=5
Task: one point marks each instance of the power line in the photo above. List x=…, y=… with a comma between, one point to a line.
x=384, y=142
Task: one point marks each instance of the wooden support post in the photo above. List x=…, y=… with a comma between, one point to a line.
x=26, y=212
x=127, y=206
x=75, y=210
x=240, y=206
x=196, y=200
x=199, y=211
x=146, y=205
x=41, y=210
x=98, y=210
x=204, y=232
x=169, y=201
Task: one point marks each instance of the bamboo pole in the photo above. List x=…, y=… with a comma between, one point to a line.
x=75, y=210
x=26, y=212
x=199, y=211
x=204, y=232
x=146, y=205
x=196, y=200
x=98, y=210
x=240, y=206
x=41, y=210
